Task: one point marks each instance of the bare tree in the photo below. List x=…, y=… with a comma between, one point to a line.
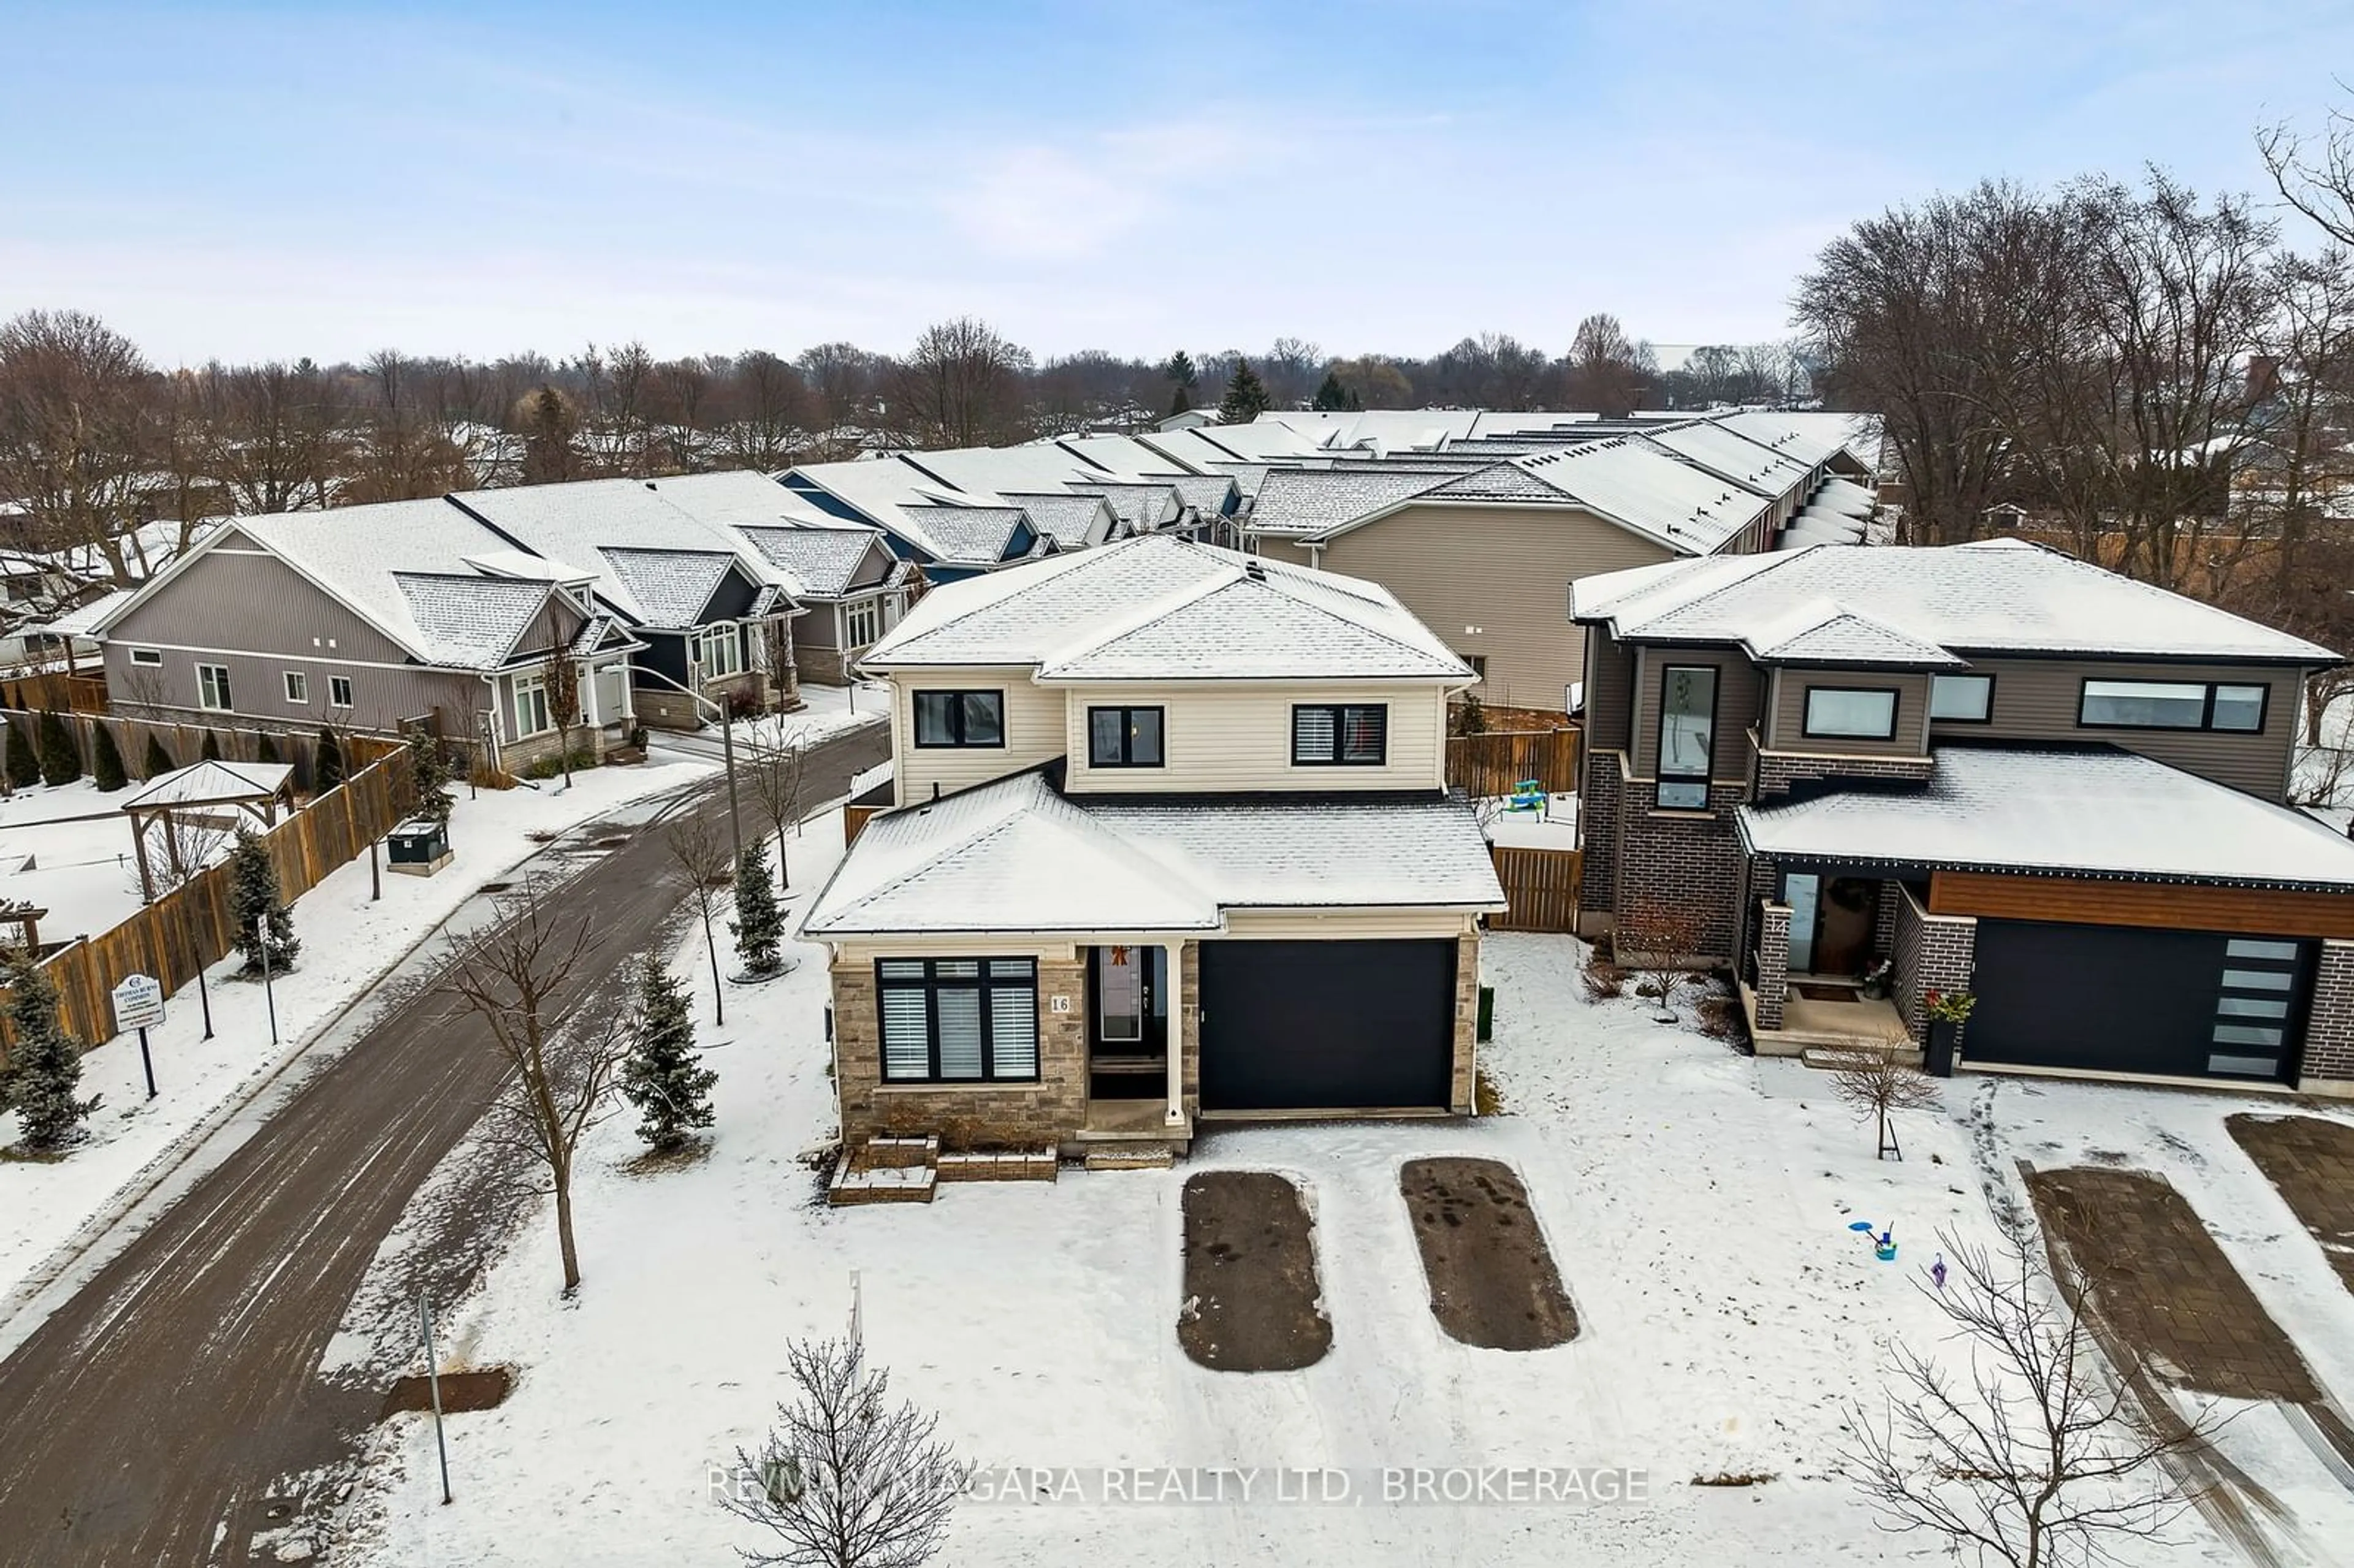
x=1606, y=373
x=777, y=773
x=75, y=433
x=1660, y=941
x=2314, y=175
x=961, y=386
x=1875, y=1083
x=513, y=975
x=2038, y=1455
x=767, y=412
x=705, y=864
x=561, y=672
x=846, y=1479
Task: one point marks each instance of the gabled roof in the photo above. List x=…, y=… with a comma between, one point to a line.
x=1650, y=492
x=1158, y=606
x=473, y=622
x=823, y=561
x=665, y=588
x=968, y=535
x=1071, y=519
x=2094, y=812
x=1730, y=455
x=1996, y=596
x=1821, y=632
x=1306, y=501
x=212, y=782
x=1017, y=855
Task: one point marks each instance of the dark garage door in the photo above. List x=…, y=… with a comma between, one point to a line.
x=2193, y=1004
x=1326, y=1026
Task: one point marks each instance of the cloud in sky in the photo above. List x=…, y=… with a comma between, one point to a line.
x=287, y=180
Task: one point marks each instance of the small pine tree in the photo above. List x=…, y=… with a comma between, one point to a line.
x=265, y=748
x=1471, y=718
x=23, y=766
x=106, y=762
x=60, y=760
x=1246, y=397
x=253, y=903
x=210, y=750
x=663, y=1076
x=1332, y=397
x=760, y=924
x=159, y=761
x=44, y=1067
x=327, y=767
x=433, y=802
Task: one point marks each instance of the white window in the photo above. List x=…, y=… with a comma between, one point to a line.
x=297, y=686
x=339, y=691
x=150, y=657
x=212, y=687
x=719, y=649
x=531, y=707
x=862, y=623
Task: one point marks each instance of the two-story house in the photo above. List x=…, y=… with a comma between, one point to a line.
x=1172, y=842
x=1989, y=767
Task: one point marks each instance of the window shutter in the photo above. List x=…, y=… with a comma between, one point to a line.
x=1013, y=1030
x=1311, y=734
x=959, y=1009
x=907, y=1051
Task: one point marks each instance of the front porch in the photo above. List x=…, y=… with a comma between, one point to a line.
x=1827, y=1016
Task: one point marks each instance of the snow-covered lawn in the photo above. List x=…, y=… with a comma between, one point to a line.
x=84, y=874
x=1697, y=1201
x=347, y=942
x=1553, y=826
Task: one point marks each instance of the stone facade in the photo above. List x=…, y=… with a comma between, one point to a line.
x=2327, y=1067
x=663, y=707
x=825, y=666
x=1773, y=972
x=1463, y=1096
x=965, y=1117
x=1931, y=952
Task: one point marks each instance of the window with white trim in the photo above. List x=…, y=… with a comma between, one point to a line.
x=862, y=621
x=719, y=649
x=151, y=658
x=297, y=686
x=339, y=691
x=957, y=1020
x=212, y=688
x=531, y=707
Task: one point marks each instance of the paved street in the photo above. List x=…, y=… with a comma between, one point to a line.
x=145, y=1420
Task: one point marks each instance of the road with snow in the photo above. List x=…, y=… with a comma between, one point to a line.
x=148, y=1419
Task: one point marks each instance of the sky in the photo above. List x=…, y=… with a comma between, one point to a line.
x=278, y=180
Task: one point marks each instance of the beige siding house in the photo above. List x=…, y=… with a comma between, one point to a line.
x=1172, y=843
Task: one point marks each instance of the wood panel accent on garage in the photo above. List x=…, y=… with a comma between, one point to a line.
x=2095, y=901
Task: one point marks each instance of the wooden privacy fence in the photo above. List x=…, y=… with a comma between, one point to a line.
x=53, y=689
x=1541, y=886
x=1495, y=763
x=190, y=928
x=184, y=743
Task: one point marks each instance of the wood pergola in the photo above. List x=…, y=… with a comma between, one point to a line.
x=258, y=789
x=26, y=917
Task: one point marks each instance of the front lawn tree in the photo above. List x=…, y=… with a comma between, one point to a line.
x=845, y=1480
x=265, y=930
x=702, y=858
x=2038, y=1454
x=513, y=976
x=561, y=671
x=1660, y=941
x=42, y=1069
x=664, y=1077
x=759, y=924
x=777, y=773
x=1873, y=1083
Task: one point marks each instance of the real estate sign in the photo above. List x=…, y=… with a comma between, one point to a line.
x=138, y=1002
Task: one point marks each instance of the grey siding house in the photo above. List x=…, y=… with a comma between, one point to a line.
x=372, y=619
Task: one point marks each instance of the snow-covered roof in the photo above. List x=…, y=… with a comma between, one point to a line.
x=1994, y=596
x=891, y=494
x=1820, y=632
x=1017, y=855
x=1809, y=438
x=1729, y=454
x=1306, y=501
x=1161, y=607
x=667, y=589
x=212, y=783
x=473, y=622
x=1651, y=492
x=2093, y=812
x=1069, y=518
x=968, y=536
x=590, y=522
x=823, y=560
x=86, y=618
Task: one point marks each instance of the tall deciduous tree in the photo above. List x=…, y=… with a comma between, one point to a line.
x=75, y=434
x=961, y=386
x=1606, y=372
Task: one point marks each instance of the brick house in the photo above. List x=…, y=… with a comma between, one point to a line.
x=1172, y=843
x=1987, y=767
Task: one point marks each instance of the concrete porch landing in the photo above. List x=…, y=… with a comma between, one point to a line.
x=1865, y=1023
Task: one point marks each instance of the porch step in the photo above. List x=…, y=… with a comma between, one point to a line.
x=1001, y=1165
x=1831, y=1058
x=879, y=1184
x=1136, y=1156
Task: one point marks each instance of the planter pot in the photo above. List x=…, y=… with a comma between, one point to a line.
x=1944, y=1040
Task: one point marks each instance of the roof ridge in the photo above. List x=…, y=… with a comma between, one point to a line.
x=1095, y=640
